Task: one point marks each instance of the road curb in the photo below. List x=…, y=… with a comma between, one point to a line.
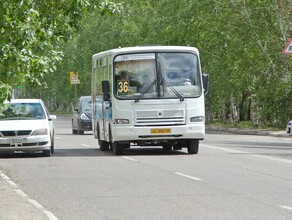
x=262, y=132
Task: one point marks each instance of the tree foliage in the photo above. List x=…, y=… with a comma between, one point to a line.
x=240, y=42
x=31, y=34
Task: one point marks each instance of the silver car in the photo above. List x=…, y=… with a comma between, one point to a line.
x=26, y=126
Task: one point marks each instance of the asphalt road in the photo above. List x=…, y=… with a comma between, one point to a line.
x=233, y=177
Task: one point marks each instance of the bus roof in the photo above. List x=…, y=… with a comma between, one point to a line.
x=149, y=49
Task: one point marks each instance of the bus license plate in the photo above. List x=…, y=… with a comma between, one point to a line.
x=161, y=131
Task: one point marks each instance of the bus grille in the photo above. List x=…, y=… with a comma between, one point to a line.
x=160, y=117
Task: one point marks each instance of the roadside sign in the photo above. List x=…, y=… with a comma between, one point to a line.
x=74, y=78
x=288, y=47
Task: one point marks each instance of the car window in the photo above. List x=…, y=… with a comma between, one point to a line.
x=86, y=105
x=22, y=111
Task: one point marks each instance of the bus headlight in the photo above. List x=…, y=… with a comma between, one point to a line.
x=122, y=121
x=198, y=119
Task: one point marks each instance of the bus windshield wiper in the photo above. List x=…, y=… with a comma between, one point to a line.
x=173, y=89
x=147, y=90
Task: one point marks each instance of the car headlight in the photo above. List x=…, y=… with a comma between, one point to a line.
x=43, y=131
x=198, y=119
x=122, y=121
x=84, y=117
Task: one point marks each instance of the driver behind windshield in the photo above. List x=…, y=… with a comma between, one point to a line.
x=145, y=85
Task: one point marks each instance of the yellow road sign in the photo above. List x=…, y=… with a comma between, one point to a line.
x=74, y=78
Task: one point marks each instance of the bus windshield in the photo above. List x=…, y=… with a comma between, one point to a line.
x=157, y=75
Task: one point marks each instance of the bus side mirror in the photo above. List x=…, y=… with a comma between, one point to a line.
x=106, y=97
x=205, y=82
x=105, y=87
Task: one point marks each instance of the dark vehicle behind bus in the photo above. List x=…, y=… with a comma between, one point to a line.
x=82, y=114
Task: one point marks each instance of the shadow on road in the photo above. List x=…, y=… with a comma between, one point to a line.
x=20, y=155
x=94, y=152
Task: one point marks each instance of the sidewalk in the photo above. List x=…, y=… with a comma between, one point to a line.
x=247, y=131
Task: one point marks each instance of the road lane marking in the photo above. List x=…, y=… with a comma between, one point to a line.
x=58, y=138
x=26, y=197
x=188, y=176
x=129, y=158
x=249, y=153
x=85, y=145
x=224, y=149
x=286, y=207
x=272, y=158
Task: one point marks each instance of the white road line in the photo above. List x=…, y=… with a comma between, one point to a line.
x=272, y=158
x=187, y=176
x=129, y=158
x=58, y=138
x=224, y=149
x=85, y=145
x=286, y=207
x=249, y=153
x=26, y=197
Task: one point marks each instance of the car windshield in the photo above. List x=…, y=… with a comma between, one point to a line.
x=157, y=75
x=86, y=105
x=22, y=111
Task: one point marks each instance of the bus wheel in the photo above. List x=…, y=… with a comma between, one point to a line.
x=104, y=146
x=118, y=149
x=193, y=146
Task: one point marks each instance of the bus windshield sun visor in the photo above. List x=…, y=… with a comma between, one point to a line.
x=147, y=90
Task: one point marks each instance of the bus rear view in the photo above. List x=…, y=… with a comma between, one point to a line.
x=152, y=96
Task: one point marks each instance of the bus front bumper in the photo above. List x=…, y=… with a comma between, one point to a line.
x=131, y=133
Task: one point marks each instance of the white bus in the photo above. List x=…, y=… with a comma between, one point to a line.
x=152, y=96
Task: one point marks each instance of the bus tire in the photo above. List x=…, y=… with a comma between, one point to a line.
x=104, y=146
x=193, y=147
x=97, y=135
x=118, y=149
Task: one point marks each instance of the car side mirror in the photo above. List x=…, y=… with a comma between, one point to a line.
x=52, y=117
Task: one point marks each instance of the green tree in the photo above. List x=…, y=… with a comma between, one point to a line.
x=240, y=45
x=31, y=34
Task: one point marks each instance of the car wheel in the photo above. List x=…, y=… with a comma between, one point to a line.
x=118, y=149
x=126, y=146
x=80, y=132
x=47, y=153
x=74, y=131
x=52, y=144
x=104, y=146
x=288, y=130
x=193, y=147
